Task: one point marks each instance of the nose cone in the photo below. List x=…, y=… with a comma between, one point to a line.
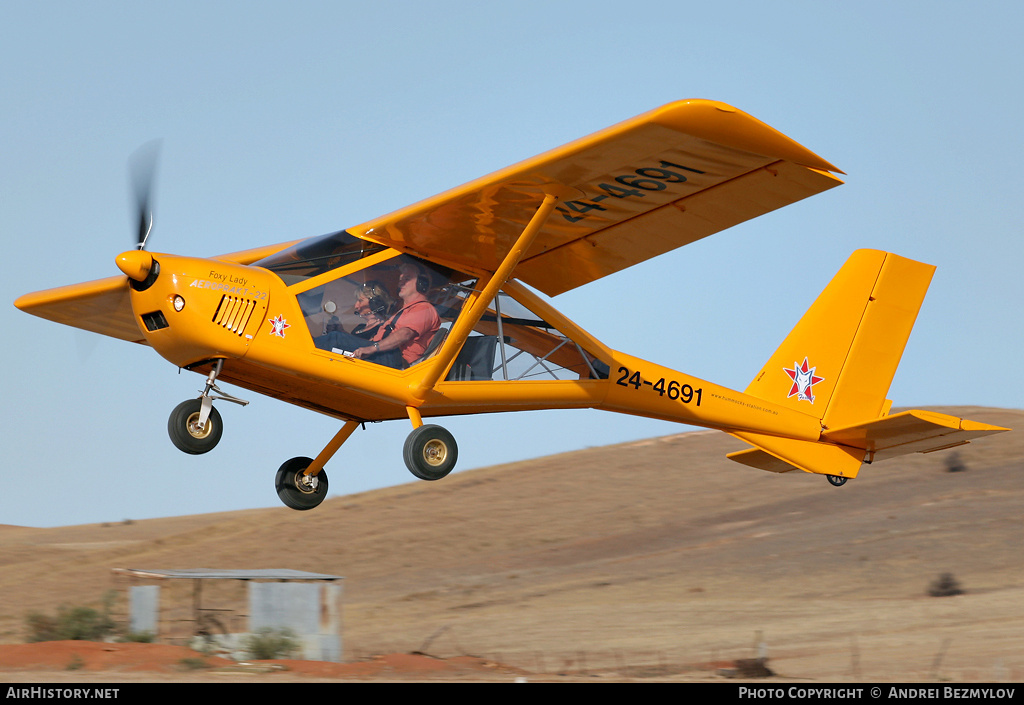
x=136, y=264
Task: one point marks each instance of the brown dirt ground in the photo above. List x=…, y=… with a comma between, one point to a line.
x=654, y=560
x=96, y=661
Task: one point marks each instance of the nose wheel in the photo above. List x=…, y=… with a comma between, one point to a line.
x=195, y=426
x=188, y=434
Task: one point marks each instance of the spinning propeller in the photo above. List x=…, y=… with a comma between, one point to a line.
x=137, y=264
x=143, y=171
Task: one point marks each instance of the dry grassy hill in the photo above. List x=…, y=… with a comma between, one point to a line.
x=656, y=556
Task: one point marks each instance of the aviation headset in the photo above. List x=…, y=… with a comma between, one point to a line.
x=377, y=297
x=422, y=280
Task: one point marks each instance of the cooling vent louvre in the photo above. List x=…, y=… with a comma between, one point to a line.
x=233, y=313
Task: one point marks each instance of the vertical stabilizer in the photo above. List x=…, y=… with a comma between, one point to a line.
x=839, y=360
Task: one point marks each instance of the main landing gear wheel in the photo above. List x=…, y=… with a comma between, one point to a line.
x=836, y=480
x=185, y=432
x=300, y=491
x=430, y=452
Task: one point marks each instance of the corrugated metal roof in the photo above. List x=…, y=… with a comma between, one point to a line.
x=226, y=574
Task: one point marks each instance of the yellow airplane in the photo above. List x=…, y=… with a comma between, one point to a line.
x=431, y=311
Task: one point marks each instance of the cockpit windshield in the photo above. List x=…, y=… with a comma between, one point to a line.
x=317, y=255
x=412, y=300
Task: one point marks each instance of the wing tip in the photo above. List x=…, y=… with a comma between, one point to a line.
x=703, y=118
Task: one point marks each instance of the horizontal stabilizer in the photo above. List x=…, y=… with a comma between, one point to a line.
x=909, y=432
x=841, y=451
x=777, y=454
x=762, y=460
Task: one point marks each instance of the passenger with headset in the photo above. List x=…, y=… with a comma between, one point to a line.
x=373, y=304
x=405, y=335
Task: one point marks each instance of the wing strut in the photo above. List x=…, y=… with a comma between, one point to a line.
x=467, y=321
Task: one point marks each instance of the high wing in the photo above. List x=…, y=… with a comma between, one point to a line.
x=628, y=193
x=100, y=306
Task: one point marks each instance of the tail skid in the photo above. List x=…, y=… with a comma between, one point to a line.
x=838, y=363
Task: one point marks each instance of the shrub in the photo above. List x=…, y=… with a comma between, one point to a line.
x=954, y=463
x=139, y=637
x=70, y=623
x=268, y=643
x=41, y=627
x=945, y=586
x=193, y=663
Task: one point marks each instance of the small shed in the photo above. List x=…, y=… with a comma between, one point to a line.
x=308, y=605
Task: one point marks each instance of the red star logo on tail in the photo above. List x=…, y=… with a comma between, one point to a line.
x=803, y=380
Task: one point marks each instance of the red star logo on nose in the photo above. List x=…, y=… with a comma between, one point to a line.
x=278, y=326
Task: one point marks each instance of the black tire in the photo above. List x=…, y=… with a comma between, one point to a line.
x=297, y=491
x=836, y=480
x=430, y=452
x=186, y=437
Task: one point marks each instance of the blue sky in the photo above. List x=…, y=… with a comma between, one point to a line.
x=286, y=120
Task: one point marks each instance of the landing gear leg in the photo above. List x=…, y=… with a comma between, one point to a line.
x=302, y=482
x=195, y=426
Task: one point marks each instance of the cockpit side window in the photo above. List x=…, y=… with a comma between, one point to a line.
x=511, y=342
x=317, y=255
x=351, y=313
